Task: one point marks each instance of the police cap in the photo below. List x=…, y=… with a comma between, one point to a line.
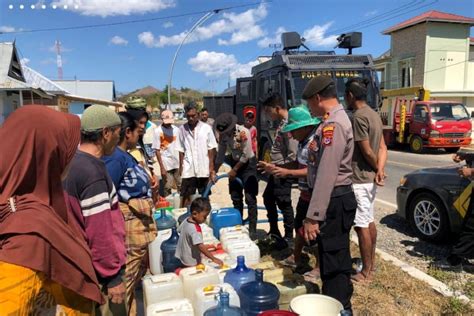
x=316, y=85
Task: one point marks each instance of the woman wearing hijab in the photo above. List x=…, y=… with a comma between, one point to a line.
x=135, y=196
x=45, y=264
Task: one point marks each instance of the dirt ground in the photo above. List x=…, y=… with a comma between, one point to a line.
x=392, y=291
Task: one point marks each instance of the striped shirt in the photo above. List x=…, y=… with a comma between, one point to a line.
x=94, y=203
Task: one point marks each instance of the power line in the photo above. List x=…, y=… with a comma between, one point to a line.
x=395, y=16
x=78, y=27
x=379, y=16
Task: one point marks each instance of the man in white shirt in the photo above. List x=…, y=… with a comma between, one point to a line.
x=165, y=145
x=197, y=147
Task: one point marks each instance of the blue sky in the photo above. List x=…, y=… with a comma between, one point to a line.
x=227, y=44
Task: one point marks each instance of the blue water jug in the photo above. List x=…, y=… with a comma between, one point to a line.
x=168, y=250
x=258, y=296
x=223, y=308
x=225, y=217
x=163, y=221
x=183, y=217
x=240, y=275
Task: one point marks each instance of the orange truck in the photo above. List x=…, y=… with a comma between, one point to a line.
x=410, y=117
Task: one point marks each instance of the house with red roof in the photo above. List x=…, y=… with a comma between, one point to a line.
x=433, y=50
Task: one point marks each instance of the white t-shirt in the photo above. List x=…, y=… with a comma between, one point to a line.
x=166, y=141
x=195, y=145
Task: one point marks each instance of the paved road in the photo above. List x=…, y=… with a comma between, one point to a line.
x=402, y=162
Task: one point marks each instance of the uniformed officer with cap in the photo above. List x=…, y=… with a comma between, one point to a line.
x=333, y=205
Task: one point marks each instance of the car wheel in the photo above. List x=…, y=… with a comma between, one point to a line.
x=416, y=145
x=427, y=216
x=452, y=150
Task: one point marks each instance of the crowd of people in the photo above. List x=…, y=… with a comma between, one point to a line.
x=77, y=195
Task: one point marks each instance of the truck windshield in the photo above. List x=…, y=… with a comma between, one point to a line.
x=301, y=78
x=448, y=111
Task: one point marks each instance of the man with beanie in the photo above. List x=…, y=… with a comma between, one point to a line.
x=94, y=204
x=333, y=205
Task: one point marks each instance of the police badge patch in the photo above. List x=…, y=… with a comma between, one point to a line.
x=328, y=134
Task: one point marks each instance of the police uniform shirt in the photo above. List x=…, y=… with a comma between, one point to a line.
x=284, y=149
x=335, y=144
x=238, y=145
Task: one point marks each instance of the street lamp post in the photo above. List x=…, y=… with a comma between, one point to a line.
x=195, y=26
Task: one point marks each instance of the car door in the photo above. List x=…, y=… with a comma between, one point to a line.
x=419, y=124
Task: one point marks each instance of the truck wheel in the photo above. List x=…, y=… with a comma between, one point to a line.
x=416, y=145
x=452, y=150
x=427, y=217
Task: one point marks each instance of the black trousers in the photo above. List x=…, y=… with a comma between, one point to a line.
x=248, y=174
x=464, y=248
x=334, y=248
x=278, y=194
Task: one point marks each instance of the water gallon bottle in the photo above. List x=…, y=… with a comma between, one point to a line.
x=183, y=217
x=258, y=296
x=164, y=221
x=223, y=308
x=168, y=250
x=240, y=275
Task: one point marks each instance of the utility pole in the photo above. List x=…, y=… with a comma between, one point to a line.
x=195, y=26
x=59, y=61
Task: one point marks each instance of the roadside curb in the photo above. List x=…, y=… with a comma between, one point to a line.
x=436, y=285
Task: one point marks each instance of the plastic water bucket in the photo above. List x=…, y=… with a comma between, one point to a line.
x=315, y=304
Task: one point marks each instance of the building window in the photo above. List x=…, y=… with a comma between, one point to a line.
x=406, y=71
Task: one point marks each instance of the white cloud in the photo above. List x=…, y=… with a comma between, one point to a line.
x=267, y=41
x=316, y=36
x=168, y=24
x=214, y=64
x=242, y=27
x=24, y=61
x=370, y=13
x=117, y=40
x=243, y=70
x=106, y=8
x=243, y=35
x=7, y=29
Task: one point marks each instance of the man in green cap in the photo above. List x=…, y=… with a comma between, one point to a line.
x=93, y=201
x=333, y=204
x=302, y=127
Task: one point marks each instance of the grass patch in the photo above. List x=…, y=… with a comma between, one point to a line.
x=469, y=289
x=441, y=275
x=455, y=306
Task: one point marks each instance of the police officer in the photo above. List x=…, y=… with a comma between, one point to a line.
x=235, y=147
x=333, y=205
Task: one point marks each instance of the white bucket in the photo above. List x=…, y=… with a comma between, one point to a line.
x=315, y=305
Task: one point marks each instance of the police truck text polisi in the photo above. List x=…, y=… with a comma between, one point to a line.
x=287, y=72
